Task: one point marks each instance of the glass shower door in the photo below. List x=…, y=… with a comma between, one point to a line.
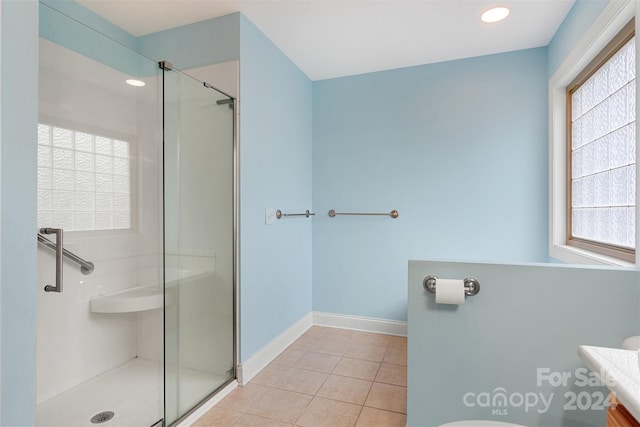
x=199, y=242
x=99, y=336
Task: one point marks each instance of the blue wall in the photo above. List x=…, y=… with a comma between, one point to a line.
x=458, y=148
x=210, y=42
x=525, y=318
x=275, y=172
x=195, y=45
x=66, y=30
x=18, y=260
x=83, y=15
x=575, y=24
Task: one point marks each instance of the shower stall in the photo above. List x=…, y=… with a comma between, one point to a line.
x=136, y=182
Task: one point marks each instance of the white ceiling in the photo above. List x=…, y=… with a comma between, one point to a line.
x=333, y=38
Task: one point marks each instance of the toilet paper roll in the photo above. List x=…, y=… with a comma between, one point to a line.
x=449, y=291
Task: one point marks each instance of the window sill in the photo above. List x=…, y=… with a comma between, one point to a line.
x=573, y=255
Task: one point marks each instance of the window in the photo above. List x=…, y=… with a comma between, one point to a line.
x=84, y=180
x=592, y=144
x=601, y=112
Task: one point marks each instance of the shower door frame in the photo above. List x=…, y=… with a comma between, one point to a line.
x=207, y=402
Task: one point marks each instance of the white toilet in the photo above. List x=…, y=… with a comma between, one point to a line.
x=632, y=343
x=478, y=423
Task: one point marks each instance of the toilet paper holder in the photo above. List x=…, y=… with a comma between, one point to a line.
x=471, y=285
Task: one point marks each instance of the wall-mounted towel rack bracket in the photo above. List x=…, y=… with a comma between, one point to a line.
x=280, y=214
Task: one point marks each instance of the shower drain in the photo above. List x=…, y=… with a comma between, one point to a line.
x=102, y=417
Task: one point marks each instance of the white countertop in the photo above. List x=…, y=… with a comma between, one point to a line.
x=619, y=370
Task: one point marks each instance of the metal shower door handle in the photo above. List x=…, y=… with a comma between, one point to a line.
x=59, y=259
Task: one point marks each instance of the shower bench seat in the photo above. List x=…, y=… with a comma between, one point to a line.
x=143, y=298
x=139, y=298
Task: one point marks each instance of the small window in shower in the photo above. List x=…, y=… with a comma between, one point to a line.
x=84, y=180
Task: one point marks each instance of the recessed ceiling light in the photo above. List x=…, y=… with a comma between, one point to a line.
x=136, y=83
x=495, y=14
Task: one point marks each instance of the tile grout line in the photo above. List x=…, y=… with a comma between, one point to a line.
x=359, y=414
x=371, y=386
x=341, y=343
x=316, y=392
x=341, y=358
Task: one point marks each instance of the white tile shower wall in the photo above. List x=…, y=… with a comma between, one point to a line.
x=150, y=221
x=149, y=189
x=83, y=344
x=77, y=90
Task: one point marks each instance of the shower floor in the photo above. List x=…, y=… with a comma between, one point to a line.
x=133, y=391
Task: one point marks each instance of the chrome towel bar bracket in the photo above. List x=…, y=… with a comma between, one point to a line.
x=471, y=285
x=280, y=214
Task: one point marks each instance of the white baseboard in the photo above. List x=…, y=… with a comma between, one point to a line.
x=209, y=404
x=359, y=323
x=254, y=364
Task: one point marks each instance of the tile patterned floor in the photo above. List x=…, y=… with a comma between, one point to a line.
x=328, y=377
